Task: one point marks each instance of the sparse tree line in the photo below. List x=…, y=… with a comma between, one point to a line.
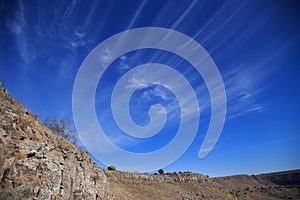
x=113, y=168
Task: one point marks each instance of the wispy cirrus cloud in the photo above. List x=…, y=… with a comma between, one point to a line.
x=17, y=26
x=243, y=89
x=242, y=93
x=245, y=81
x=137, y=14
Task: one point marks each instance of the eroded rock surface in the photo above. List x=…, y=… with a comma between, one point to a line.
x=36, y=164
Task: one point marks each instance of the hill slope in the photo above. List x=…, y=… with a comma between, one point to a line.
x=37, y=164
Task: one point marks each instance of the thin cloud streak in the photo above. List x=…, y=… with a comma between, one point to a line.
x=17, y=25
x=184, y=15
x=137, y=14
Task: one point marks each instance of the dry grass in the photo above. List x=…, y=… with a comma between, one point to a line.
x=36, y=116
x=21, y=154
x=37, y=136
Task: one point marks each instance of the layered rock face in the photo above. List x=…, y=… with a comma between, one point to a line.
x=36, y=164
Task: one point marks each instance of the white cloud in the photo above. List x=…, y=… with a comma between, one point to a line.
x=243, y=91
x=17, y=25
x=80, y=35
x=106, y=57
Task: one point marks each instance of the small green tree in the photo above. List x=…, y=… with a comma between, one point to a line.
x=113, y=168
x=161, y=171
x=61, y=127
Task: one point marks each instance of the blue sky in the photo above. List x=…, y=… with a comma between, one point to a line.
x=255, y=45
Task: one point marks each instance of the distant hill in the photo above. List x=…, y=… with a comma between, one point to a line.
x=37, y=164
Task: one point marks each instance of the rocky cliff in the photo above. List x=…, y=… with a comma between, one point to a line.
x=37, y=164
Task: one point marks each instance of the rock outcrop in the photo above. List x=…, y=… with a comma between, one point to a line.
x=37, y=164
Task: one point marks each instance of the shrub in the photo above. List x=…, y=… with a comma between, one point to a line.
x=61, y=127
x=161, y=171
x=233, y=194
x=112, y=168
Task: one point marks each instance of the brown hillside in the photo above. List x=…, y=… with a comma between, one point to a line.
x=37, y=164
